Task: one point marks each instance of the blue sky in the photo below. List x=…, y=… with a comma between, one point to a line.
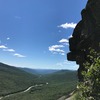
x=34, y=33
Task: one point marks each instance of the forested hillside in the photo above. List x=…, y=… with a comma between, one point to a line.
x=13, y=79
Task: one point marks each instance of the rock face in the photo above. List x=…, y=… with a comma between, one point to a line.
x=85, y=35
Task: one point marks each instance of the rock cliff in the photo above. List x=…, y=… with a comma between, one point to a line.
x=86, y=35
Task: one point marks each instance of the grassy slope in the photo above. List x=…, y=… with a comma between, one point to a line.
x=12, y=79
x=60, y=83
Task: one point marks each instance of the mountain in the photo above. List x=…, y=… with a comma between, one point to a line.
x=39, y=71
x=13, y=79
x=61, y=75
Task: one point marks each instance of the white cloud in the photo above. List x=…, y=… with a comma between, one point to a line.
x=64, y=41
x=70, y=36
x=58, y=50
x=3, y=47
x=8, y=38
x=56, y=46
x=62, y=54
x=68, y=25
x=9, y=50
x=55, y=49
x=19, y=55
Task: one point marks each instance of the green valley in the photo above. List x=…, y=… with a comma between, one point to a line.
x=45, y=87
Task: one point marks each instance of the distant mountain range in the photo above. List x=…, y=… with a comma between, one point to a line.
x=39, y=71
x=60, y=76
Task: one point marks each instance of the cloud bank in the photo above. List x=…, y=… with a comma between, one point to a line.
x=56, y=49
x=5, y=48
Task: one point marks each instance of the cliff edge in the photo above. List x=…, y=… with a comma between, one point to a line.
x=86, y=35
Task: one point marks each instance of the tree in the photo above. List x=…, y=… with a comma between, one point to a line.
x=89, y=89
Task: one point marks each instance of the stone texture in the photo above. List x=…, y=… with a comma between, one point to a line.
x=85, y=35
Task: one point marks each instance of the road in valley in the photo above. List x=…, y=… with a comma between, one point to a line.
x=29, y=88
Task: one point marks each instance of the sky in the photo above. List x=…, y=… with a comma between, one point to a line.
x=35, y=33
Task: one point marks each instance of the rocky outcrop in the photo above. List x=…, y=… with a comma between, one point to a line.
x=85, y=35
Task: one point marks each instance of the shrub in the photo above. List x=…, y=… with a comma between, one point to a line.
x=89, y=89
